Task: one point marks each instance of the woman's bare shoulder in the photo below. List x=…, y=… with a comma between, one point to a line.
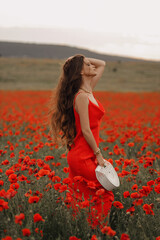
x=82, y=97
x=81, y=100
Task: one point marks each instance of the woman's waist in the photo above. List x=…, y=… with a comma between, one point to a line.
x=81, y=143
x=79, y=135
x=80, y=147
x=81, y=150
x=79, y=154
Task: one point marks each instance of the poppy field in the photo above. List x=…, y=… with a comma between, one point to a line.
x=35, y=201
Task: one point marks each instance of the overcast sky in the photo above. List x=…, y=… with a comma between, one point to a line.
x=118, y=27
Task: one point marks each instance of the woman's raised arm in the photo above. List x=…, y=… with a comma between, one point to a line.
x=99, y=65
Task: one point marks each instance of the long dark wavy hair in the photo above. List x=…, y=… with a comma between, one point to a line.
x=61, y=115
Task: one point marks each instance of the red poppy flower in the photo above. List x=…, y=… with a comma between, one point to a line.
x=48, y=158
x=62, y=188
x=67, y=180
x=51, y=174
x=36, y=149
x=135, y=187
x=110, y=153
x=85, y=204
x=144, y=146
x=104, y=229
x=66, y=169
x=56, y=179
x=12, y=155
x=12, y=178
x=108, y=230
x=5, y=162
x=117, y=151
x=41, y=232
x=57, y=186
x=37, y=218
x=130, y=210
x=150, y=183
x=118, y=162
x=123, y=173
x=110, y=160
x=116, y=169
x=36, y=230
x=68, y=199
x=10, y=193
x=7, y=238
x=58, y=164
x=122, y=140
x=78, y=178
x=26, y=232
x=105, y=148
x=126, y=194
x=33, y=199
x=131, y=144
x=22, y=178
x=145, y=190
x=118, y=204
x=74, y=238
x=157, y=189
x=100, y=192
x=124, y=236
x=1, y=182
x=19, y=218
x=43, y=172
x=147, y=208
x=9, y=172
x=91, y=184
x=94, y=237
x=157, y=180
x=137, y=202
x=14, y=186
x=135, y=195
x=134, y=171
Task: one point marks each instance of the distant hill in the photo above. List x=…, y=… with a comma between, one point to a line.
x=31, y=50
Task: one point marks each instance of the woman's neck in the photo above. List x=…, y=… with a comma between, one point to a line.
x=87, y=87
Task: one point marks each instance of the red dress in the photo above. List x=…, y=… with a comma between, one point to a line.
x=82, y=165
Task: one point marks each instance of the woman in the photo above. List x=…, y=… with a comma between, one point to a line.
x=77, y=118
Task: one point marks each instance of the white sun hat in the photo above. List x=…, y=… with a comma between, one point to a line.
x=107, y=176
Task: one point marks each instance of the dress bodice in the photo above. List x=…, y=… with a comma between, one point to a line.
x=95, y=116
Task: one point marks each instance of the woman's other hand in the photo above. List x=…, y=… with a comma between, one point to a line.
x=100, y=160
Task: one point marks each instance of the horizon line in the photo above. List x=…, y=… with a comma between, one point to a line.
x=79, y=47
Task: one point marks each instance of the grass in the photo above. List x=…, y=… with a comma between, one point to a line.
x=43, y=74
